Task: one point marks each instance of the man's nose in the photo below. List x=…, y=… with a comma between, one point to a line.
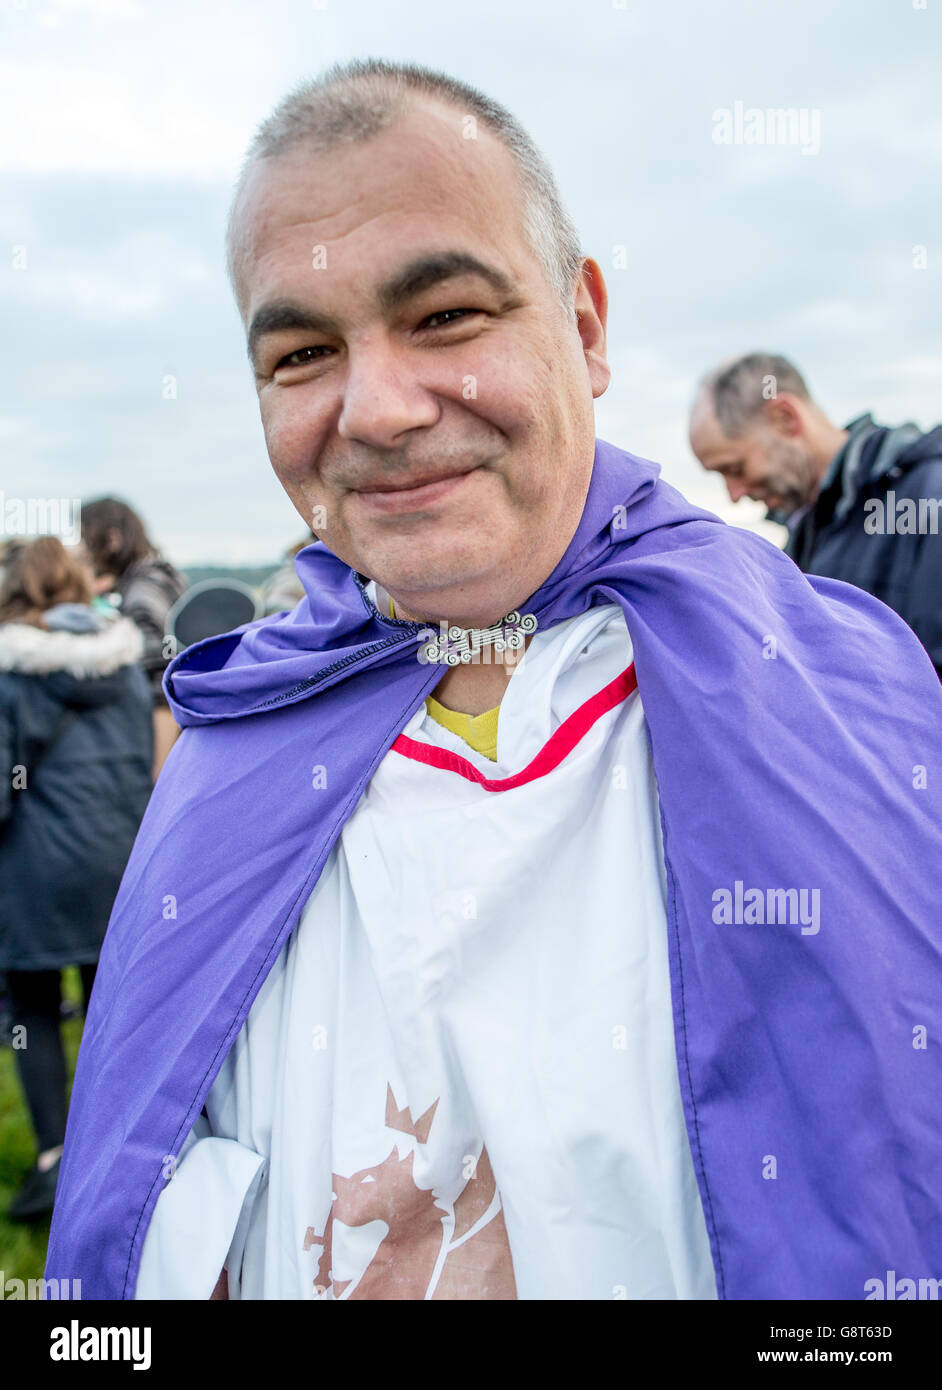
x=736, y=489
x=382, y=396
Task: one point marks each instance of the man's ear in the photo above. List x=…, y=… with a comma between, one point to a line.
x=783, y=413
x=591, y=306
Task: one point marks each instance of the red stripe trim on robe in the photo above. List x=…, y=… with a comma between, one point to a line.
x=557, y=747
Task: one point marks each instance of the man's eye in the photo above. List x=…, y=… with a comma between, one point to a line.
x=446, y=314
x=297, y=359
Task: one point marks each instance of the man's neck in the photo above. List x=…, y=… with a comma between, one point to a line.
x=826, y=447
x=472, y=688
x=476, y=687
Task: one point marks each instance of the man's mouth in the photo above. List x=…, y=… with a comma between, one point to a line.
x=407, y=497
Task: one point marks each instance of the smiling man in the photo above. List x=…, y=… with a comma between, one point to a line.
x=406, y=403
x=460, y=995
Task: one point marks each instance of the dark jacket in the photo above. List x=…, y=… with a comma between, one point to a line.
x=148, y=589
x=76, y=750
x=843, y=537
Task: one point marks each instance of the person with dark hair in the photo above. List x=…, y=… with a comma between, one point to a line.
x=76, y=748
x=862, y=503
x=127, y=563
x=283, y=589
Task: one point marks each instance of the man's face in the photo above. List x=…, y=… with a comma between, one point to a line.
x=761, y=463
x=401, y=331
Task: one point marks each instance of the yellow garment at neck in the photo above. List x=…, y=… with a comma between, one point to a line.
x=479, y=731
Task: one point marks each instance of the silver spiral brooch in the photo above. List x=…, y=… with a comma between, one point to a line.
x=457, y=645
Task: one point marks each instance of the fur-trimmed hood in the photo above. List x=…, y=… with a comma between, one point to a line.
x=36, y=651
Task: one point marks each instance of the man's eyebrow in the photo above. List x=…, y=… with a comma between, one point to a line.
x=281, y=315
x=426, y=271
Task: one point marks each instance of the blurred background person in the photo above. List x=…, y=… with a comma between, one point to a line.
x=76, y=752
x=284, y=589
x=861, y=503
x=127, y=563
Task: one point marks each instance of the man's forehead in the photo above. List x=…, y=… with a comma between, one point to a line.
x=704, y=426
x=420, y=169
x=710, y=443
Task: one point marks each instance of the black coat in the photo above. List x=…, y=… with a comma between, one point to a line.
x=65, y=836
x=848, y=534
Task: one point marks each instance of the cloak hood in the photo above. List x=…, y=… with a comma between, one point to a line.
x=794, y=725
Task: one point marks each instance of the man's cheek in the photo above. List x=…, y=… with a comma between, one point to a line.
x=290, y=448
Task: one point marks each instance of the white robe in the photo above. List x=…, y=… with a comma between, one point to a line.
x=475, y=969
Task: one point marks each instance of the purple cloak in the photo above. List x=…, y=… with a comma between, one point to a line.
x=796, y=730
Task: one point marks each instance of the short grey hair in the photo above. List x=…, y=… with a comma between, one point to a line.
x=739, y=389
x=351, y=101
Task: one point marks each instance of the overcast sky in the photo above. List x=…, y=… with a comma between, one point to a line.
x=123, y=123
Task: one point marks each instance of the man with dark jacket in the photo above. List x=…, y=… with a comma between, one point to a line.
x=861, y=503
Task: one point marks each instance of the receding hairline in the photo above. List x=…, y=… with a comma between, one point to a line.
x=352, y=101
x=407, y=101
x=732, y=391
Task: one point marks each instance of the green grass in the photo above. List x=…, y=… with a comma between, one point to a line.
x=22, y=1247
